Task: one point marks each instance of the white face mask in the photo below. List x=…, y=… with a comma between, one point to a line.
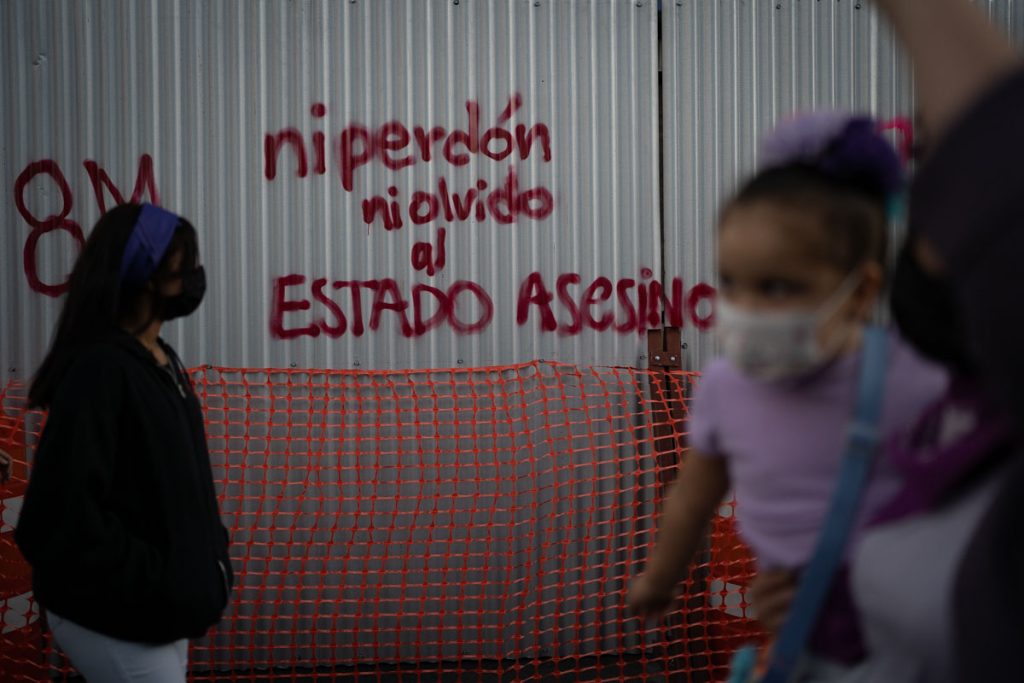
x=779, y=344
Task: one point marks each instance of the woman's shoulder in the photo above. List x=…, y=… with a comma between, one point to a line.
x=99, y=362
x=104, y=352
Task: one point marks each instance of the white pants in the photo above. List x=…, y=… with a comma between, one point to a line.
x=100, y=658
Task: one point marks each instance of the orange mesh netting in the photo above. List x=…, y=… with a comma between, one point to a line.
x=468, y=525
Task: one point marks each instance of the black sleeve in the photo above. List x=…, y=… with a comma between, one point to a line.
x=67, y=530
x=968, y=200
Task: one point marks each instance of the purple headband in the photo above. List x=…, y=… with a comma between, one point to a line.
x=147, y=244
x=843, y=146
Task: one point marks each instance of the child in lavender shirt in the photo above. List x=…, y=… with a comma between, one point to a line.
x=801, y=259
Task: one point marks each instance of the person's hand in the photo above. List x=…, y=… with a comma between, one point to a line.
x=5, y=467
x=649, y=598
x=771, y=594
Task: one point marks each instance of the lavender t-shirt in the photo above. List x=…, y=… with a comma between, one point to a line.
x=783, y=442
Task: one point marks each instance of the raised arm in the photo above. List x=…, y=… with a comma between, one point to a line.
x=957, y=56
x=966, y=213
x=689, y=506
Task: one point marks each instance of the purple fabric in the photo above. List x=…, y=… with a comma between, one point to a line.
x=802, y=138
x=150, y=238
x=783, y=443
x=957, y=434
x=842, y=146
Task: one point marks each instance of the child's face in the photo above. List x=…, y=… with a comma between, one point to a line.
x=771, y=258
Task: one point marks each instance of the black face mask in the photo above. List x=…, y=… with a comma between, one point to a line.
x=193, y=287
x=927, y=316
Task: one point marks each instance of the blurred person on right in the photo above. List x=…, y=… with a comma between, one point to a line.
x=938, y=579
x=801, y=257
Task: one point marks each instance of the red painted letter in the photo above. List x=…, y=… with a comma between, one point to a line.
x=281, y=305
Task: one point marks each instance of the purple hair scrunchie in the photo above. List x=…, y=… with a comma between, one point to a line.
x=845, y=147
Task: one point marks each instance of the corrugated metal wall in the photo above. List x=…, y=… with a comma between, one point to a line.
x=731, y=69
x=198, y=86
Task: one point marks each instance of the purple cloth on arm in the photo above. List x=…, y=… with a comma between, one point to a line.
x=958, y=434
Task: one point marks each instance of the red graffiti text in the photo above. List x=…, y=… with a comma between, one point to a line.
x=464, y=307
x=397, y=145
x=503, y=205
x=304, y=307
x=60, y=220
x=625, y=305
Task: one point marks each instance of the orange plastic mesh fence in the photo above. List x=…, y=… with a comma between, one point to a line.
x=464, y=525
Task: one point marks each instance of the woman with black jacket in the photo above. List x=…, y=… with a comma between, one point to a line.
x=120, y=520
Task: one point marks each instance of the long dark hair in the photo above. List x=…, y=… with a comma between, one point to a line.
x=96, y=305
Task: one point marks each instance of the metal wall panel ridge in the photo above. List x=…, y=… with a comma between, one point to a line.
x=377, y=184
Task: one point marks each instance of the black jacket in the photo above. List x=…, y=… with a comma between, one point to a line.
x=120, y=520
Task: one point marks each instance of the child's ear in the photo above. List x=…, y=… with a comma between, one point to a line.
x=872, y=282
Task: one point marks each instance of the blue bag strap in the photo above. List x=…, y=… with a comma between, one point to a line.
x=816, y=580
x=743, y=664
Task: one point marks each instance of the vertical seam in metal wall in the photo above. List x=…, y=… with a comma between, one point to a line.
x=662, y=270
x=243, y=45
